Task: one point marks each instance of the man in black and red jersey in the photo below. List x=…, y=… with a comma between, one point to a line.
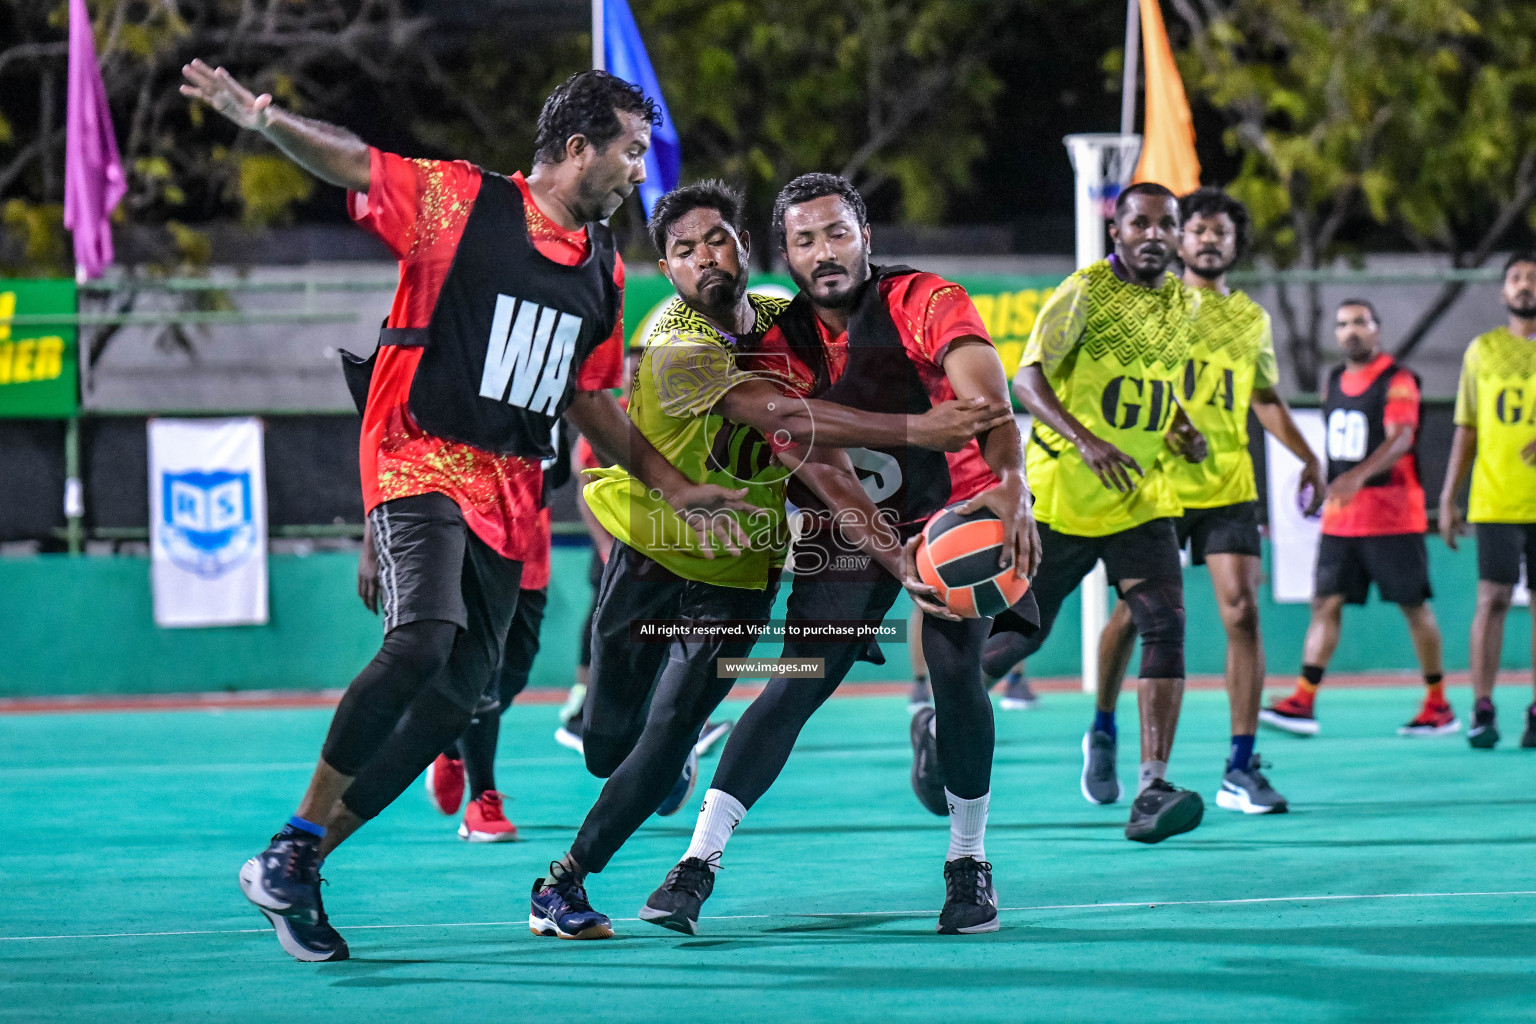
x=1373, y=522
x=508, y=315
x=880, y=339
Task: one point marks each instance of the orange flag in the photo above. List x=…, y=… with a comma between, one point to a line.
x=1168, y=139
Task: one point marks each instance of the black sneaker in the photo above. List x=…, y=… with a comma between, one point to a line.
x=1484, y=734
x=559, y=907
x=285, y=877
x=309, y=936
x=970, y=901
x=1099, y=784
x=1162, y=811
x=1528, y=738
x=677, y=903
x=1248, y=790
x=927, y=778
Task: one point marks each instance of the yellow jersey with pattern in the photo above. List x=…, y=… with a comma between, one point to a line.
x=1497, y=397
x=687, y=368
x=1114, y=353
x=1232, y=353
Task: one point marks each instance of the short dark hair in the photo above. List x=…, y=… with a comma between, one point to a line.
x=713, y=194
x=813, y=186
x=1213, y=202
x=589, y=103
x=1361, y=302
x=1142, y=188
x=1519, y=256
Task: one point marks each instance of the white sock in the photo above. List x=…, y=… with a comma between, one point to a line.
x=1151, y=770
x=967, y=826
x=719, y=815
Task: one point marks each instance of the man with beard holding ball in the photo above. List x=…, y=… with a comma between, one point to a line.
x=883, y=339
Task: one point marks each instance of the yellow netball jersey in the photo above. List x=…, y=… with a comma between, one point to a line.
x=1114, y=353
x=1232, y=353
x=1497, y=396
x=688, y=366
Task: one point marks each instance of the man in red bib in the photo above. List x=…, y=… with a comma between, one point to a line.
x=507, y=317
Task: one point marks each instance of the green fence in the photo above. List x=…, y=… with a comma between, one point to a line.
x=84, y=626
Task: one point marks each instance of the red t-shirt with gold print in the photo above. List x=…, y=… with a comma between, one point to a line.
x=418, y=208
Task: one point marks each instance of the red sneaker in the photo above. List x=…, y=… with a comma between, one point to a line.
x=1293, y=715
x=445, y=783
x=1435, y=718
x=484, y=821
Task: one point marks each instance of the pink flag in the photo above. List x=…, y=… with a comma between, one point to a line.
x=93, y=172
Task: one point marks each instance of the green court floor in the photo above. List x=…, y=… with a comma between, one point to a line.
x=1401, y=888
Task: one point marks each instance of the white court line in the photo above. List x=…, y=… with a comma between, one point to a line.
x=856, y=913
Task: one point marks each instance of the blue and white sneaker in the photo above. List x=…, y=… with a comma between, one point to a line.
x=308, y=936
x=559, y=907
x=285, y=878
x=683, y=788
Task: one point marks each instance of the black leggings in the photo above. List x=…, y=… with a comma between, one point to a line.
x=646, y=702
x=477, y=747
x=760, y=744
x=411, y=656
x=397, y=715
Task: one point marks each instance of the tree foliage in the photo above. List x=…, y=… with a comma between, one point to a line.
x=320, y=57
x=893, y=93
x=1416, y=115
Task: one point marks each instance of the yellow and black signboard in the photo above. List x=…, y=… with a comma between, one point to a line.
x=38, y=365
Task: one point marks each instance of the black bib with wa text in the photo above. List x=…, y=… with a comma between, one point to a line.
x=510, y=331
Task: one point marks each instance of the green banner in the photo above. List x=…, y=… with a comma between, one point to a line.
x=1008, y=305
x=38, y=367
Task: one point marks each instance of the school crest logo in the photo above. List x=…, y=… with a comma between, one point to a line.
x=207, y=522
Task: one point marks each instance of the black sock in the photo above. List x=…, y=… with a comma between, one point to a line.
x=479, y=746
x=1312, y=674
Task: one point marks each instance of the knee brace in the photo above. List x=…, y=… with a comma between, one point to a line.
x=1157, y=608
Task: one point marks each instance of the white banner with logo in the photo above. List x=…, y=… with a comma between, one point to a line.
x=1292, y=536
x=208, y=522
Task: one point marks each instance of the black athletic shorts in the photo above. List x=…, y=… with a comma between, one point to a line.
x=1222, y=530
x=1397, y=563
x=1500, y=548
x=1149, y=551
x=635, y=587
x=432, y=566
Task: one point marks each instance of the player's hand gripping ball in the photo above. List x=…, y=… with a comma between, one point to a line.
x=958, y=557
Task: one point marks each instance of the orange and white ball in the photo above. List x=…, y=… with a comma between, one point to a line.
x=958, y=557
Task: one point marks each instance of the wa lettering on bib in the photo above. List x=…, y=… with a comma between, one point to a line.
x=528, y=355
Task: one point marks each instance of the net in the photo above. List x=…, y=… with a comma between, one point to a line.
x=1105, y=162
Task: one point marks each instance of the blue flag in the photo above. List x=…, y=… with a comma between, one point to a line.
x=626, y=58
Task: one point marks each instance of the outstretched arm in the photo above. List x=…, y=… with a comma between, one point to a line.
x=597, y=415
x=1275, y=416
x=948, y=426
x=328, y=152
